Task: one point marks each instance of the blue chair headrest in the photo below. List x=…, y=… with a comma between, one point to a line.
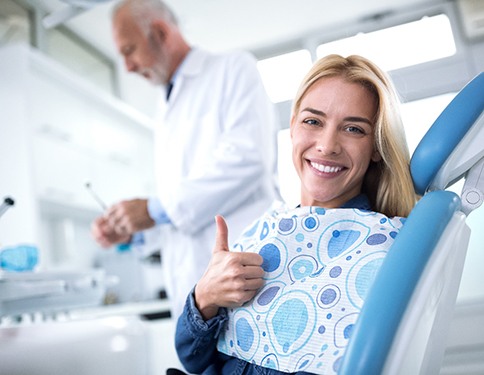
x=446, y=133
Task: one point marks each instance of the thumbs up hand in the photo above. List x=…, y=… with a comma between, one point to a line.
x=221, y=236
x=231, y=278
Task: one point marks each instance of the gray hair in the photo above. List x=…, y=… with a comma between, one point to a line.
x=145, y=11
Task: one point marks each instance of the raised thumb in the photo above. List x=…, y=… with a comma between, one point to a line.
x=221, y=236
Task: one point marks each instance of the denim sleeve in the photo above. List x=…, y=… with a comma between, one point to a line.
x=196, y=339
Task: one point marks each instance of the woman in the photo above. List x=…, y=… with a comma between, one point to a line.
x=294, y=295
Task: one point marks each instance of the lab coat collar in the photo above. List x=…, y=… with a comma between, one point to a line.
x=192, y=64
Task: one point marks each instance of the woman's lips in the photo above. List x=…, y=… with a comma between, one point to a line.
x=324, y=168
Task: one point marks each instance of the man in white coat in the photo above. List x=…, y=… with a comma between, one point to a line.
x=215, y=145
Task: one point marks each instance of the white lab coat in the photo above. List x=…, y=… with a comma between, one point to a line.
x=215, y=153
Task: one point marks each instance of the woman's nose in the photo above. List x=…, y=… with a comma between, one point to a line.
x=328, y=143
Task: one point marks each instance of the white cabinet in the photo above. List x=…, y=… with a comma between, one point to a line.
x=81, y=135
x=60, y=171
x=58, y=132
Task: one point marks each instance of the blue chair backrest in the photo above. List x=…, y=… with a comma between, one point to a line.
x=387, y=301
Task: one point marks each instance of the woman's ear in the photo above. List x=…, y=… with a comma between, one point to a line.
x=375, y=157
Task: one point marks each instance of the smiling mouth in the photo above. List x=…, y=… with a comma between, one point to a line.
x=326, y=168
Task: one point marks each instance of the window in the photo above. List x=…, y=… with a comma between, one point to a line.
x=419, y=115
x=282, y=74
x=397, y=47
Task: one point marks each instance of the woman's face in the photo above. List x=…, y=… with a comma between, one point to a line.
x=333, y=141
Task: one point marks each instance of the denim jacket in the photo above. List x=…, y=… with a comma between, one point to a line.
x=196, y=339
x=196, y=345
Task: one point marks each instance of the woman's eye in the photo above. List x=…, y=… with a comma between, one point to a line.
x=355, y=129
x=312, y=122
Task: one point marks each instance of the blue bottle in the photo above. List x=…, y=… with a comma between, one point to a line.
x=137, y=239
x=123, y=247
x=19, y=258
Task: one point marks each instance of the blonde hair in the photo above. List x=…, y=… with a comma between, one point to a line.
x=388, y=183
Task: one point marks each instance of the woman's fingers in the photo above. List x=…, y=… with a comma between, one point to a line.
x=253, y=272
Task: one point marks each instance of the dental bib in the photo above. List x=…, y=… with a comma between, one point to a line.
x=319, y=264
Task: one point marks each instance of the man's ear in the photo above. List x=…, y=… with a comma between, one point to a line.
x=159, y=30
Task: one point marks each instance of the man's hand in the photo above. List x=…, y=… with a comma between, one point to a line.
x=105, y=235
x=120, y=221
x=128, y=217
x=231, y=278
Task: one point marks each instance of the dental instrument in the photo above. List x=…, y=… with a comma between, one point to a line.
x=7, y=203
x=95, y=196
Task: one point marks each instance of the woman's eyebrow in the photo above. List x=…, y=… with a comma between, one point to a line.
x=314, y=111
x=350, y=118
x=358, y=119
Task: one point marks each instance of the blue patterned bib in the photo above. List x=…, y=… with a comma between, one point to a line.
x=319, y=264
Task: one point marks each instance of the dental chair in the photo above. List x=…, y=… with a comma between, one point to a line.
x=403, y=325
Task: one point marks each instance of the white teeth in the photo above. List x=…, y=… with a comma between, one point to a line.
x=326, y=168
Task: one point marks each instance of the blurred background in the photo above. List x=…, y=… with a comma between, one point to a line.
x=71, y=115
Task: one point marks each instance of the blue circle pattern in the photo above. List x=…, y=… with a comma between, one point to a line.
x=271, y=257
x=319, y=265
